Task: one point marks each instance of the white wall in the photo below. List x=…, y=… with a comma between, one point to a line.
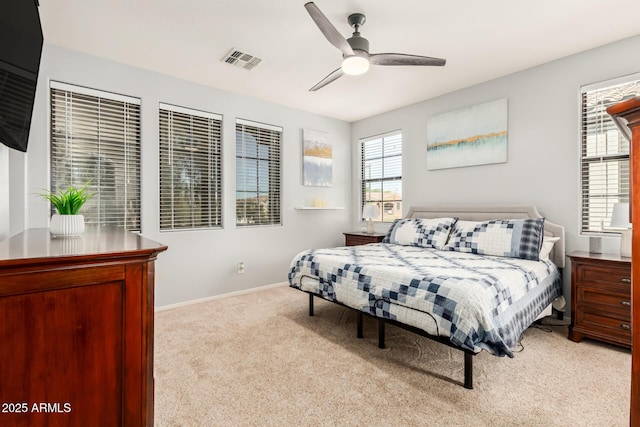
x=543, y=141
x=13, y=189
x=198, y=264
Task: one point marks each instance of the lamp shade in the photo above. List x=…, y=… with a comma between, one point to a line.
x=620, y=216
x=370, y=212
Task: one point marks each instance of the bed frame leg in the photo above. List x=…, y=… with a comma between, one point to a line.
x=468, y=370
x=360, y=335
x=310, y=304
x=380, y=333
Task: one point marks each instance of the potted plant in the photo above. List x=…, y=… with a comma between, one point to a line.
x=68, y=221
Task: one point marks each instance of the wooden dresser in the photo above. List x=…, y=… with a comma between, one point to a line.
x=355, y=238
x=626, y=114
x=76, y=327
x=600, y=298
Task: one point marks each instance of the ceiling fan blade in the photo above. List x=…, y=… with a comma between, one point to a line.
x=330, y=78
x=327, y=28
x=403, y=59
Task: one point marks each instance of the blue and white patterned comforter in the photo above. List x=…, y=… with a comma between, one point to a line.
x=479, y=302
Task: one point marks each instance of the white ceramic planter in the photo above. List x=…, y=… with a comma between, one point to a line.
x=66, y=225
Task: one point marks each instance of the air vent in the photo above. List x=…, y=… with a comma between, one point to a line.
x=241, y=59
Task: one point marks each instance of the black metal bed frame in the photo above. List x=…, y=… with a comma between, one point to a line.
x=468, y=355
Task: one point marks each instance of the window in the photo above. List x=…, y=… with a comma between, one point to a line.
x=604, y=154
x=190, y=169
x=257, y=174
x=95, y=136
x=382, y=175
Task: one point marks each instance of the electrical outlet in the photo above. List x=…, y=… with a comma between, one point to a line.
x=240, y=267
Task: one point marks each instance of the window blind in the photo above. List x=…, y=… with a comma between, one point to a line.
x=95, y=136
x=381, y=178
x=258, y=184
x=604, y=153
x=190, y=168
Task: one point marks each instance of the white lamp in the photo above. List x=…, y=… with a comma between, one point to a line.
x=369, y=212
x=355, y=65
x=620, y=219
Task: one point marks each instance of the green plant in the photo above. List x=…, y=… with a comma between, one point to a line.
x=70, y=201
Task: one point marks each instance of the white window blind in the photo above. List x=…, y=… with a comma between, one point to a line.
x=190, y=169
x=258, y=184
x=381, y=171
x=604, y=154
x=95, y=136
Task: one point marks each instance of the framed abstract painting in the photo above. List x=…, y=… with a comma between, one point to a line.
x=317, y=159
x=469, y=136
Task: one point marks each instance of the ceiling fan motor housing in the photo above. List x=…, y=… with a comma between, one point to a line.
x=358, y=43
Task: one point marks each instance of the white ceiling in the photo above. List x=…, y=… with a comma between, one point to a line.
x=481, y=40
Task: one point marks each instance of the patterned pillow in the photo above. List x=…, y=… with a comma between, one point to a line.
x=422, y=232
x=515, y=238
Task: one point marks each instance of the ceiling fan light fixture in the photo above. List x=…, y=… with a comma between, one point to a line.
x=355, y=65
x=355, y=49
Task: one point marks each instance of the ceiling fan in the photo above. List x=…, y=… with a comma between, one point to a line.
x=355, y=50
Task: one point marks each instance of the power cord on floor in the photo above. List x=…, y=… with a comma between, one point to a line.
x=519, y=348
x=542, y=328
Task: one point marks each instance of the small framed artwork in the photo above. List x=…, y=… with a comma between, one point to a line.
x=317, y=159
x=469, y=136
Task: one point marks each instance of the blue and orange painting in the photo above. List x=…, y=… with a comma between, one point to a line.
x=470, y=136
x=317, y=159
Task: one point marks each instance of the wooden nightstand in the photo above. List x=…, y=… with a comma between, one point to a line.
x=600, y=298
x=360, y=238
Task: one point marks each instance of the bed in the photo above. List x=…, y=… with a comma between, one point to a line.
x=473, y=278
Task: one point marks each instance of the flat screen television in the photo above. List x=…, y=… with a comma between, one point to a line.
x=20, y=50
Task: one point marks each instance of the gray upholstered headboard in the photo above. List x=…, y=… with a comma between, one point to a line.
x=485, y=213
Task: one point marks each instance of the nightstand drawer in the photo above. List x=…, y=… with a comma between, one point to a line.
x=595, y=274
x=354, y=239
x=608, y=324
x=605, y=297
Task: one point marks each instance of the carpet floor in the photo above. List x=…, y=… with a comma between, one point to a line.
x=258, y=359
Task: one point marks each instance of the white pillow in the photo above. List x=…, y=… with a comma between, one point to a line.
x=547, y=246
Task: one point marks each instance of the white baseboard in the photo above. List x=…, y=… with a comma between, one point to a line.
x=215, y=297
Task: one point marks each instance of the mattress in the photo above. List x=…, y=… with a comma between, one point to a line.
x=478, y=302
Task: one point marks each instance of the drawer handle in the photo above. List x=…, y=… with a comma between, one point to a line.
x=625, y=326
x=627, y=303
x=625, y=280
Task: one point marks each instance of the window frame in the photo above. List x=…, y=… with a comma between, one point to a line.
x=598, y=128
x=213, y=206
x=118, y=168
x=274, y=193
x=394, y=178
